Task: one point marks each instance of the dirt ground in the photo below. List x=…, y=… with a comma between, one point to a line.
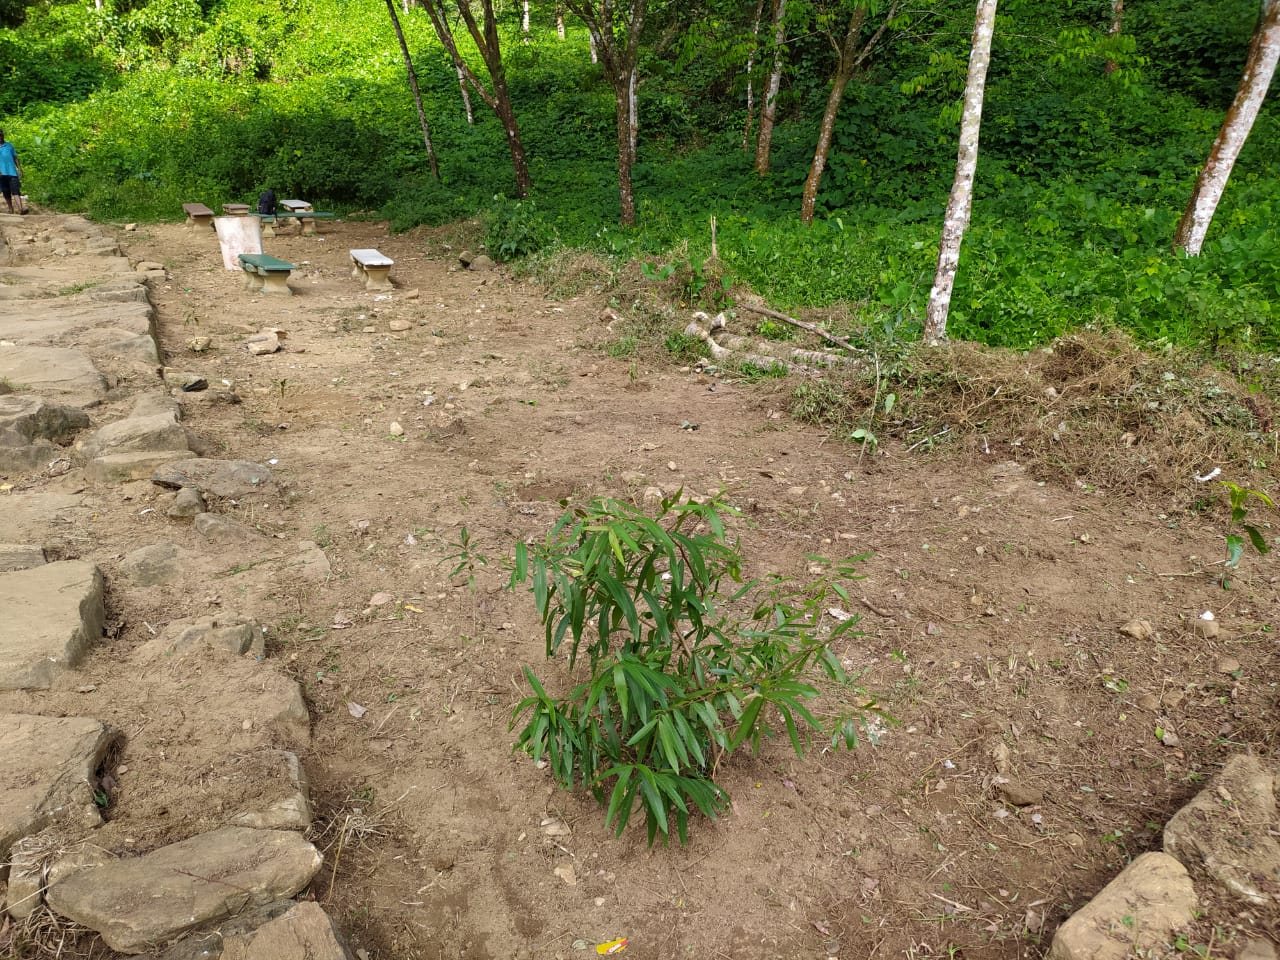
x=989, y=614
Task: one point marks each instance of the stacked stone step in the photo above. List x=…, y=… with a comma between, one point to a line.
x=82, y=409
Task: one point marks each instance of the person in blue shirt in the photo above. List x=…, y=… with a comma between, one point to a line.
x=10, y=171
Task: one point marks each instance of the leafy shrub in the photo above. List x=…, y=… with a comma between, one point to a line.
x=686, y=660
x=516, y=229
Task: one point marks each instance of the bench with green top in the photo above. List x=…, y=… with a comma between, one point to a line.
x=264, y=273
x=198, y=215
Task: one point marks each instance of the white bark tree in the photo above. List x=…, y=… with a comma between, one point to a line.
x=1259, y=68
x=960, y=203
x=769, y=109
x=751, y=65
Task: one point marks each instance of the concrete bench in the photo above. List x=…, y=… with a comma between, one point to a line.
x=198, y=215
x=304, y=212
x=373, y=267
x=265, y=274
x=235, y=209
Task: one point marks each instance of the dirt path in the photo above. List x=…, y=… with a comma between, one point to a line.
x=990, y=609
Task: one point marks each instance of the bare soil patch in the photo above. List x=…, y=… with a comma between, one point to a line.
x=994, y=589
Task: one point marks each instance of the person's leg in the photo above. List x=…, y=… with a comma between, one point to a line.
x=6, y=184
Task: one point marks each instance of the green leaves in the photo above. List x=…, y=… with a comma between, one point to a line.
x=687, y=661
x=1240, y=497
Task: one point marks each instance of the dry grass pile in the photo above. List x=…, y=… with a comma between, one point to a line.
x=1091, y=408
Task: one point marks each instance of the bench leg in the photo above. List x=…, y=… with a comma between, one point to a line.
x=199, y=220
x=308, y=226
x=276, y=281
x=252, y=281
x=268, y=231
x=377, y=278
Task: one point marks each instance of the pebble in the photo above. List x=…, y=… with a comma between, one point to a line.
x=395, y=429
x=1228, y=665
x=1139, y=629
x=1256, y=950
x=399, y=326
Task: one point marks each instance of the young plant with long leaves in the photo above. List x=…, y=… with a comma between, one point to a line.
x=687, y=660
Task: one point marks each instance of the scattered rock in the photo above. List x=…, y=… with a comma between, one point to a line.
x=188, y=503
x=199, y=344
x=292, y=811
x=222, y=530
x=18, y=556
x=395, y=429
x=27, y=860
x=260, y=344
x=1139, y=629
x=399, y=326
x=185, y=380
x=304, y=933
x=227, y=632
x=1228, y=831
x=1256, y=950
x=481, y=263
x=652, y=496
x=52, y=613
x=159, y=432
x=151, y=565
x=1229, y=665
x=222, y=478
x=123, y=467
x=1206, y=627
x=47, y=765
x=1139, y=910
x=1017, y=793
x=142, y=901
x=566, y=873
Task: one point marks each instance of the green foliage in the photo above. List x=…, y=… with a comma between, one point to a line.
x=1240, y=497
x=686, y=659
x=516, y=229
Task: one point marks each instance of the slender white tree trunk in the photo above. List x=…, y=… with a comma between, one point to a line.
x=466, y=97
x=961, y=202
x=524, y=21
x=595, y=54
x=1259, y=68
x=634, y=105
x=769, y=108
x=751, y=66
x=560, y=22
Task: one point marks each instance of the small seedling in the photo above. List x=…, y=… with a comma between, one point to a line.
x=1240, y=497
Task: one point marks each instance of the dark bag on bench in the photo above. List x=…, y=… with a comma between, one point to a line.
x=267, y=203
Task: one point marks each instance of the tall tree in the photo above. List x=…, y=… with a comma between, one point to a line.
x=1117, y=24
x=769, y=108
x=499, y=98
x=615, y=33
x=413, y=86
x=1259, y=68
x=751, y=66
x=851, y=56
x=959, y=205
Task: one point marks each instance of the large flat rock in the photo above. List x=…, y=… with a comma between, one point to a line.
x=30, y=427
x=1228, y=833
x=222, y=478
x=49, y=616
x=62, y=321
x=65, y=374
x=30, y=515
x=304, y=933
x=146, y=434
x=1139, y=910
x=47, y=767
x=138, y=902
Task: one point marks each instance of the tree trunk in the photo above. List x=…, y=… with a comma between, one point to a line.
x=768, y=110
x=499, y=99
x=413, y=85
x=851, y=57
x=1117, y=24
x=595, y=54
x=524, y=21
x=626, y=158
x=466, y=97
x=751, y=65
x=560, y=22
x=1259, y=68
x=615, y=34
x=961, y=202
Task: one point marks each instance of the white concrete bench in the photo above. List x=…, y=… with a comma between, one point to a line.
x=373, y=267
x=300, y=209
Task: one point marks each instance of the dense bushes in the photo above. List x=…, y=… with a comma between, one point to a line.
x=1082, y=175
